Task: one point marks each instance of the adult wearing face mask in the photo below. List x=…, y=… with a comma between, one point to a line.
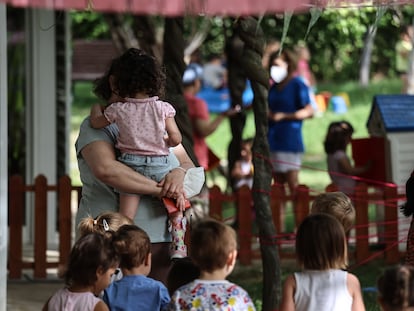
x=289, y=105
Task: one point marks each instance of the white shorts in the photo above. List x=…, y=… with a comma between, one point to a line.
x=286, y=161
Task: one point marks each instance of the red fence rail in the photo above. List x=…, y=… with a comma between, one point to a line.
x=40, y=188
x=387, y=196
x=243, y=202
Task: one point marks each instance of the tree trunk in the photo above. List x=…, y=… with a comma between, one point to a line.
x=122, y=34
x=364, y=70
x=175, y=66
x=237, y=84
x=146, y=33
x=252, y=36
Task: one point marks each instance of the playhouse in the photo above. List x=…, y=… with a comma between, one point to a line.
x=390, y=146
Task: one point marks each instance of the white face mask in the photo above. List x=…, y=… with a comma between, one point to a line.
x=278, y=74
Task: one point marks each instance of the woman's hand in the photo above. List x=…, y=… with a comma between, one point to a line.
x=172, y=184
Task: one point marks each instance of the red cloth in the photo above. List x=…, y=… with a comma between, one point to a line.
x=198, y=109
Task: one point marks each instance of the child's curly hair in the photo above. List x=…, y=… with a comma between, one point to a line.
x=131, y=73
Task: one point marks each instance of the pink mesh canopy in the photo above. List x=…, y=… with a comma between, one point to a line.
x=197, y=7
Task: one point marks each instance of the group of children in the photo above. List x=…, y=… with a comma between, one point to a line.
x=108, y=267
x=109, y=264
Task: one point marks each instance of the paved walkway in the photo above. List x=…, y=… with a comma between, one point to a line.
x=29, y=295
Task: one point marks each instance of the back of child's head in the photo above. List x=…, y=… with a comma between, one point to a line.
x=321, y=243
x=103, y=222
x=211, y=243
x=396, y=288
x=133, y=245
x=337, y=204
x=183, y=271
x=90, y=252
x=138, y=72
x=338, y=136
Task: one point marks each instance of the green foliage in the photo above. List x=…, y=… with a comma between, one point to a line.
x=89, y=25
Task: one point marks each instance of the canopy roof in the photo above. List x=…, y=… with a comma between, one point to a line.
x=196, y=7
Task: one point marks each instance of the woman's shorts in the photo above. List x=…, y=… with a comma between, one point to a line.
x=286, y=161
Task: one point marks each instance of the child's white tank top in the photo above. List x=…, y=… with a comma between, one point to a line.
x=65, y=300
x=322, y=291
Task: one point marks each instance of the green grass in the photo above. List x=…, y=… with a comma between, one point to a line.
x=313, y=173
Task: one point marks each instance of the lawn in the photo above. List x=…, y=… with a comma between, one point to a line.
x=313, y=173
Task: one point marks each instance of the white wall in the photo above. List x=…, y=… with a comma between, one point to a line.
x=41, y=108
x=3, y=158
x=402, y=164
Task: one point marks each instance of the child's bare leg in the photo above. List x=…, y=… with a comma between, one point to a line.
x=128, y=204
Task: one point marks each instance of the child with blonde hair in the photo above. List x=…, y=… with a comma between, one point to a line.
x=323, y=284
x=396, y=288
x=103, y=222
x=92, y=261
x=214, y=251
x=135, y=291
x=337, y=204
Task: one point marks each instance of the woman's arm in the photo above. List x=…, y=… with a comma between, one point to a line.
x=301, y=114
x=100, y=157
x=172, y=184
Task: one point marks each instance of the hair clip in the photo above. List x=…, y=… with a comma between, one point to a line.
x=95, y=222
x=105, y=225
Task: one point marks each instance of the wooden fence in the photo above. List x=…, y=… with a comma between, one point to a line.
x=40, y=188
x=242, y=199
x=388, y=197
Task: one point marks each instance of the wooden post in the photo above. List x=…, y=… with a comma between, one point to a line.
x=16, y=216
x=301, y=204
x=40, y=233
x=331, y=188
x=361, y=231
x=244, y=204
x=391, y=225
x=215, y=203
x=65, y=218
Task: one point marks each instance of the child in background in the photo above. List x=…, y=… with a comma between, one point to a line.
x=396, y=288
x=337, y=204
x=135, y=291
x=214, y=251
x=146, y=130
x=92, y=262
x=242, y=172
x=304, y=72
x=340, y=169
x=109, y=221
x=323, y=284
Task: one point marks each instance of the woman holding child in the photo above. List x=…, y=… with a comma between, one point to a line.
x=101, y=173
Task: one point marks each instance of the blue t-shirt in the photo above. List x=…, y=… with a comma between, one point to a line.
x=286, y=135
x=136, y=292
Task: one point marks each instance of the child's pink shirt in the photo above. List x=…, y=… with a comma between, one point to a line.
x=141, y=124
